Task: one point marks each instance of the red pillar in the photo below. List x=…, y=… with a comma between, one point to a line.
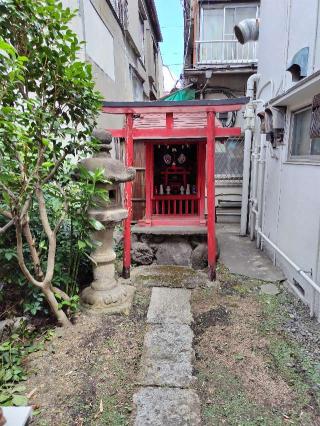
x=128, y=200
x=202, y=181
x=211, y=195
x=149, y=182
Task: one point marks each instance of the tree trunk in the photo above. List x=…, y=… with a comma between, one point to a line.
x=60, y=315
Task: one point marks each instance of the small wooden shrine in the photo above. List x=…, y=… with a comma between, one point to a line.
x=179, y=142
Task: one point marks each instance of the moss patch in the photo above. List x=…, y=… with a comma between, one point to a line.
x=168, y=276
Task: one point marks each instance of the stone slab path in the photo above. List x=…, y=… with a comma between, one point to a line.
x=166, y=397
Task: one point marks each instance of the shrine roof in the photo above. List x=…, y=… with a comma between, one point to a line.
x=174, y=119
x=197, y=102
x=203, y=105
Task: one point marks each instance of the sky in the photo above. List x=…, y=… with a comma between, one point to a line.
x=171, y=22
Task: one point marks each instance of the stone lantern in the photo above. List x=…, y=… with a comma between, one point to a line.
x=105, y=293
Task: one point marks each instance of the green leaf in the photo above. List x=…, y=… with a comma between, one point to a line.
x=19, y=388
x=81, y=245
x=4, y=397
x=98, y=226
x=9, y=255
x=19, y=400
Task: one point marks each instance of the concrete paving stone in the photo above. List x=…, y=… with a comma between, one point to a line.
x=164, y=373
x=167, y=357
x=241, y=256
x=167, y=407
x=169, y=305
x=169, y=341
x=269, y=289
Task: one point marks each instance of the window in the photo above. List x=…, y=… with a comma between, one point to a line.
x=137, y=86
x=302, y=146
x=218, y=41
x=218, y=24
x=121, y=9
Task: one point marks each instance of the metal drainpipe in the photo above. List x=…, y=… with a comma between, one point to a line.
x=261, y=180
x=249, y=116
x=316, y=37
x=254, y=186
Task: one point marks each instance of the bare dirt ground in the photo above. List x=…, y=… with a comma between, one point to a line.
x=87, y=374
x=257, y=359
x=251, y=366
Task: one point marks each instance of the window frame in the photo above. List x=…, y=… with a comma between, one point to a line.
x=300, y=159
x=223, y=7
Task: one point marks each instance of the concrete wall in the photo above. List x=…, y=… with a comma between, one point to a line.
x=291, y=213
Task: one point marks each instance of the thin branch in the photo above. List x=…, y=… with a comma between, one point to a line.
x=43, y=213
x=65, y=209
x=6, y=213
x=61, y=293
x=21, y=261
x=8, y=191
x=25, y=209
x=55, y=168
x=6, y=226
x=33, y=251
x=36, y=168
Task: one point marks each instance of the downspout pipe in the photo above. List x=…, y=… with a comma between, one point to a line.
x=249, y=116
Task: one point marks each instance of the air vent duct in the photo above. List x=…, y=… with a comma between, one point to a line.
x=247, y=30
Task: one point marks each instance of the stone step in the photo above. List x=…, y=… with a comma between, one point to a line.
x=167, y=356
x=166, y=363
x=167, y=407
x=169, y=305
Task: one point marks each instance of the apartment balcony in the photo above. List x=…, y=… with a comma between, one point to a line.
x=225, y=53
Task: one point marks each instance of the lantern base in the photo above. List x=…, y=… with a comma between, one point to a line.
x=116, y=301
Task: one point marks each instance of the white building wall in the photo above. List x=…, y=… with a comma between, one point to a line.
x=291, y=210
x=113, y=53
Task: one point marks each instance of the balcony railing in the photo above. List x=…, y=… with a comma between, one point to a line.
x=216, y=52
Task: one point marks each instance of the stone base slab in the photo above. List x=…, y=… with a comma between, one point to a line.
x=122, y=306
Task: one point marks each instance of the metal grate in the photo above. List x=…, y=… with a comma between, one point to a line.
x=315, y=118
x=229, y=160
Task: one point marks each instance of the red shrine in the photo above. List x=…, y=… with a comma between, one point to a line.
x=179, y=140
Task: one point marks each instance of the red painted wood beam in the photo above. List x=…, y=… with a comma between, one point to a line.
x=128, y=200
x=211, y=195
x=171, y=133
x=169, y=120
x=149, y=182
x=171, y=109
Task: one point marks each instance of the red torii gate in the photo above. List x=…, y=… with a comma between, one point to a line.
x=208, y=132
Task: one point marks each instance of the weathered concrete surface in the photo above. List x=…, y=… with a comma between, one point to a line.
x=167, y=407
x=241, y=256
x=168, y=276
x=169, y=230
x=169, y=305
x=167, y=356
x=270, y=289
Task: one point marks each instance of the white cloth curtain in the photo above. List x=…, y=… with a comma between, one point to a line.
x=217, y=27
